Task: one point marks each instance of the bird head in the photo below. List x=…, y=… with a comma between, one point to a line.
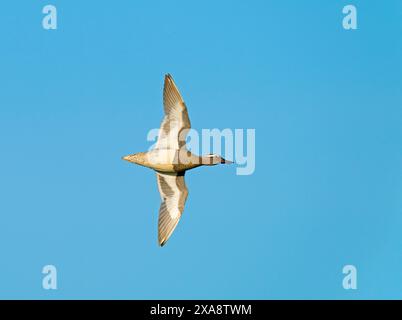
x=214, y=159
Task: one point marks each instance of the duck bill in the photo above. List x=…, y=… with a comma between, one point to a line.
x=224, y=161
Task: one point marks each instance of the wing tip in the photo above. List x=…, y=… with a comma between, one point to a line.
x=162, y=241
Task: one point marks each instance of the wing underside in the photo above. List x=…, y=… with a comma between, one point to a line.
x=176, y=123
x=174, y=194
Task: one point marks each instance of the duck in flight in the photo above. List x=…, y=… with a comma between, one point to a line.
x=170, y=159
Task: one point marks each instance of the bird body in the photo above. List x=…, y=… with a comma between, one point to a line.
x=166, y=160
x=170, y=160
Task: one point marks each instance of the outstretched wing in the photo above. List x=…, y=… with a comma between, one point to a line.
x=174, y=194
x=176, y=123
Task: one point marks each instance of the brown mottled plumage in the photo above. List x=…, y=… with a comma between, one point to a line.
x=171, y=159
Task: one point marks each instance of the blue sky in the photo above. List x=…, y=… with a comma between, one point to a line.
x=326, y=104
